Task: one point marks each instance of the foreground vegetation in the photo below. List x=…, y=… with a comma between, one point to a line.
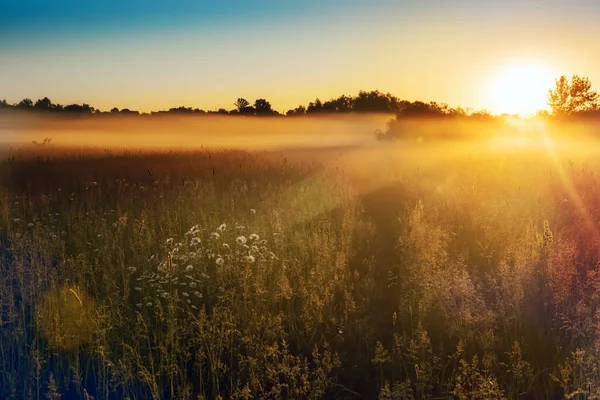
x=398, y=273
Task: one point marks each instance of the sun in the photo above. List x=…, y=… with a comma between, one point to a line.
x=521, y=88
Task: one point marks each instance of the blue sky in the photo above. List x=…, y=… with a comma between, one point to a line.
x=158, y=54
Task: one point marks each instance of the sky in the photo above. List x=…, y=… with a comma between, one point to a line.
x=157, y=54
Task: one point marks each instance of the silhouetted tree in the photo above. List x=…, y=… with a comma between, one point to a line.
x=263, y=107
x=127, y=111
x=25, y=104
x=300, y=110
x=4, y=104
x=575, y=96
x=115, y=110
x=315, y=108
x=44, y=104
x=79, y=108
x=373, y=101
x=241, y=103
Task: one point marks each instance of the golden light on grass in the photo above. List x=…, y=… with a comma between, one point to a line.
x=521, y=88
x=66, y=317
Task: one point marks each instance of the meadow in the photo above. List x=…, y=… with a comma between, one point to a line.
x=413, y=270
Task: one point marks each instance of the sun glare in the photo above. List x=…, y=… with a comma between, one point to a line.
x=522, y=88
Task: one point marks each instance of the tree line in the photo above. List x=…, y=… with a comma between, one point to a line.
x=365, y=102
x=567, y=98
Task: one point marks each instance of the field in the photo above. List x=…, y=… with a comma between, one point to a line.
x=410, y=270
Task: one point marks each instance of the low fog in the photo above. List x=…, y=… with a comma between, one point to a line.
x=158, y=133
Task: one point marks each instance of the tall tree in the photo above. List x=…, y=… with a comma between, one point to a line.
x=25, y=104
x=44, y=104
x=572, y=97
x=241, y=103
x=263, y=107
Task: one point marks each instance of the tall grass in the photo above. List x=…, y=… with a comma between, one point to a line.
x=248, y=275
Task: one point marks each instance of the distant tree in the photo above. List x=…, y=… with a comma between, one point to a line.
x=4, y=104
x=25, y=104
x=241, y=103
x=242, y=107
x=127, y=111
x=300, y=110
x=263, y=107
x=181, y=110
x=79, y=108
x=571, y=97
x=421, y=109
x=373, y=101
x=315, y=108
x=343, y=103
x=44, y=104
x=115, y=110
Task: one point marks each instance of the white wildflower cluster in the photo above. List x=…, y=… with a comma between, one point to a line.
x=189, y=270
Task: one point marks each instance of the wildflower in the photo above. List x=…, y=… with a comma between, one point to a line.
x=252, y=211
x=241, y=240
x=182, y=284
x=193, y=285
x=272, y=256
x=254, y=236
x=196, y=240
x=221, y=289
x=139, y=289
x=149, y=304
x=219, y=261
x=221, y=227
x=185, y=294
x=115, y=224
x=169, y=240
x=240, y=227
x=204, y=275
x=17, y=220
x=215, y=235
x=193, y=230
x=226, y=245
x=131, y=269
x=30, y=225
x=249, y=259
x=192, y=254
x=138, y=305
x=198, y=294
x=194, y=307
